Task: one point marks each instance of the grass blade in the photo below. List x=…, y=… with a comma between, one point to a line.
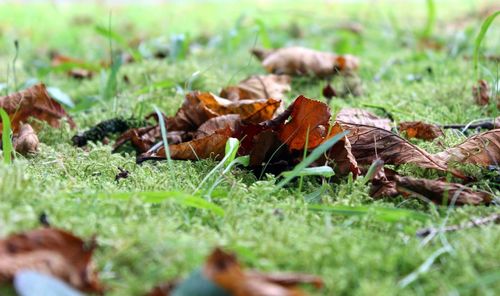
x=479, y=39
x=379, y=213
x=182, y=198
x=163, y=130
x=323, y=171
x=6, y=140
x=315, y=154
x=431, y=19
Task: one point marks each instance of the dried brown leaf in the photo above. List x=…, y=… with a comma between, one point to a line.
x=259, y=87
x=211, y=146
x=370, y=143
x=482, y=149
x=305, y=61
x=420, y=130
x=51, y=251
x=224, y=270
x=26, y=142
x=363, y=117
x=481, y=93
x=33, y=102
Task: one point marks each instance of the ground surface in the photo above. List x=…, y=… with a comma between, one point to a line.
x=143, y=243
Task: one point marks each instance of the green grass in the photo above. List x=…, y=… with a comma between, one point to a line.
x=358, y=245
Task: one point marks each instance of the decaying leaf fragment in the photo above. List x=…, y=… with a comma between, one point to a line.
x=482, y=149
x=387, y=183
x=51, y=251
x=420, y=130
x=259, y=87
x=304, y=61
x=33, y=102
x=363, y=117
x=481, y=93
x=222, y=274
x=26, y=142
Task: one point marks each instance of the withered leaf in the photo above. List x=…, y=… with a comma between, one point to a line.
x=206, y=147
x=369, y=143
x=309, y=122
x=77, y=70
x=440, y=191
x=482, y=149
x=224, y=270
x=363, y=117
x=341, y=154
x=387, y=183
x=200, y=107
x=50, y=251
x=26, y=142
x=305, y=61
x=258, y=87
x=33, y=102
x=212, y=125
x=420, y=130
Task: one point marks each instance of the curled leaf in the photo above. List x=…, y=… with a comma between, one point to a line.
x=305, y=61
x=420, y=130
x=363, y=117
x=26, y=142
x=482, y=149
x=206, y=147
x=33, y=102
x=258, y=87
x=223, y=275
x=309, y=123
x=51, y=251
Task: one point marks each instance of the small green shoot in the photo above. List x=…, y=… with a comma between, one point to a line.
x=263, y=34
x=479, y=39
x=315, y=154
x=6, y=139
x=108, y=91
x=108, y=33
x=322, y=171
x=163, y=130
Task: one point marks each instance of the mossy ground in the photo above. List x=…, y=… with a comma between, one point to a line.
x=143, y=243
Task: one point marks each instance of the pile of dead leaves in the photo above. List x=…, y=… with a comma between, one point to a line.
x=277, y=142
x=34, y=102
x=222, y=274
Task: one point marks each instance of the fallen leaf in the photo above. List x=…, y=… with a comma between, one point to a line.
x=50, y=251
x=441, y=192
x=329, y=92
x=309, y=123
x=259, y=87
x=363, y=117
x=370, y=143
x=420, y=130
x=26, y=142
x=77, y=69
x=202, y=148
x=143, y=138
x=305, y=61
x=387, y=183
x=223, y=275
x=341, y=154
x=212, y=125
x=33, y=102
x=200, y=107
x=482, y=149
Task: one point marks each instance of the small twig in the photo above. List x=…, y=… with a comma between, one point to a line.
x=495, y=218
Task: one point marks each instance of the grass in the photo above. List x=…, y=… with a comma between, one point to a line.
x=358, y=245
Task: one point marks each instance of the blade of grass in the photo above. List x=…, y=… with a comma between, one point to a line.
x=108, y=33
x=232, y=146
x=379, y=213
x=323, y=171
x=6, y=139
x=182, y=198
x=431, y=19
x=315, y=154
x=163, y=130
x=479, y=39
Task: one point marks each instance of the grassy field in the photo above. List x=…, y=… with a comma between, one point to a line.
x=143, y=243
